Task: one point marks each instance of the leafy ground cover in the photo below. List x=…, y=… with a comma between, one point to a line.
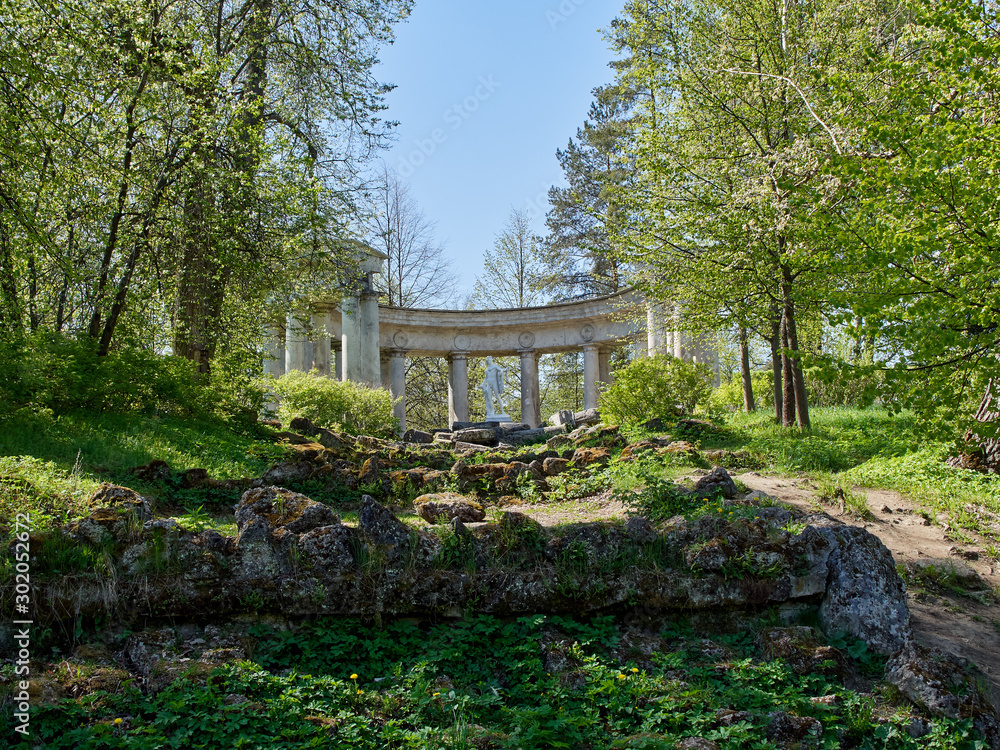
x=534, y=682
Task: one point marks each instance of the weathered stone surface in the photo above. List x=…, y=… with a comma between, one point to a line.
x=564, y=419
x=461, y=447
x=281, y=508
x=417, y=436
x=681, y=447
x=864, y=593
x=333, y=440
x=478, y=435
x=383, y=529
x=443, y=437
x=944, y=685
x=447, y=506
x=457, y=426
x=696, y=743
x=122, y=499
x=716, y=482
x=527, y=436
x=790, y=731
x=288, y=472
x=328, y=547
x=801, y=649
x=588, y=416
x=590, y=456
x=303, y=426
x=553, y=466
x=154, y=471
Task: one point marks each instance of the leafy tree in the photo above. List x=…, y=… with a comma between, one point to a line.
x=728, y=146
x=512, y=270
x=923, y=177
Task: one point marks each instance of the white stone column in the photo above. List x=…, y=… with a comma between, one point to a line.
x=274, y=351
x=604, y=365
x=350, y=346
x=397, y=385
x=657, y=317
x=531, y=409
x=298, y=354
x=371, y=372
x=321, y=343
x=337, y=361
x=591, y=373
x=458, y=387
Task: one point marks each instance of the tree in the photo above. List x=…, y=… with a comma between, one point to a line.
x=512, y=270
x=417, y=274
x=728, y=148
x=177, y=162
x=923, y=179
x=577, y=251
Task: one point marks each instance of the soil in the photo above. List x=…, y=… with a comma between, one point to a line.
x=966, y=624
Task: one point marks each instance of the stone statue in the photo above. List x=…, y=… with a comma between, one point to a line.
x=492, y=388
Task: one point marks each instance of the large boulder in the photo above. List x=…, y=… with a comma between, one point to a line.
x=944, y=685
x=477, y=435
x=281, y=508
x=446, y=506
x=384, y=530
x=864, y=593
x=717, y=482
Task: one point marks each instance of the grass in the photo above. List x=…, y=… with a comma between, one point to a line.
x=534, y=682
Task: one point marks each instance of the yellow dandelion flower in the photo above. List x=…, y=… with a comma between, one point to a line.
x=621, y=677
x=435, y=695
x=118, y=721
x=354, y=677
x=360, y=691
x=635, y=670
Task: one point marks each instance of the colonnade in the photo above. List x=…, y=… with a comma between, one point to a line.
x=357, y=340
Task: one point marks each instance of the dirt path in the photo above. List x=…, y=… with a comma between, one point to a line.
x=952, y=622
x=941, y=617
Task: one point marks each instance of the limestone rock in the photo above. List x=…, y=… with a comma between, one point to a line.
x=564, y=419
x=864, y=593
x=462, y=447
x=696, y=743
x=553, y=466
x=281, y=508
x=288, y=472
x=528, y=436
x=588, y=416
x=944, y=685
x=589, y=456
x=447, y=506
x=790, y=731
x=328, y=547
x=333, y=440
x=477, y=435
x=122, y=499
x=640, y=530
x=655, y=424
x=716, y=482
x=417, y=436
x=303, y=426
x=681, y=447
x=383, y=528
x=800, y=648
x=154, y=471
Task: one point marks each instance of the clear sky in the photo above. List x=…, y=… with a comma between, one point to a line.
x=486, y=93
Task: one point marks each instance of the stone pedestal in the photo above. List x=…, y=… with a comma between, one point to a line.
x=298, y=351
x=321, y=343
x=458, y=387
x=370, y=366
x=274, y=351
x=350, y=325
x=397, y=385
x=531, y=408
x=591, y=374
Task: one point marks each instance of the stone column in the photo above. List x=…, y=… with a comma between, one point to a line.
x=383, y=364
x=370, y=369
x=591, y=373
x=531, y=408
x=656, y=328
x=350, y=325
x=604, y=365
x=321, y=343
x=337, y=361
x=274, y=351
x=397, y=385
x=458, y=387
x=298, y=354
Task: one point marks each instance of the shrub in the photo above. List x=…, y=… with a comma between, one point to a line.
x=659, y=386
x=728, y=397
x=351, y=407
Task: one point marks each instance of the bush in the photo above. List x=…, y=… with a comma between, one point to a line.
x=346, y=406
x=728, y=397
x=659, y=386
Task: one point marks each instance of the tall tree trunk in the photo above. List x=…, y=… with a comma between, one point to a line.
x=798, y=380
x=982, y=454
x=775, y=342
x=748, y=404
x=788, y=389
x=10, y=313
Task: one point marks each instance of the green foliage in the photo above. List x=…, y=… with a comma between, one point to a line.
x=351, y=407
x=659, y=386
x=480, y=682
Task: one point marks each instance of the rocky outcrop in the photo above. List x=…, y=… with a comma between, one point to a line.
x=445, y=507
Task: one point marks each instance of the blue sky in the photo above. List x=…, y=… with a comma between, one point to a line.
x=486, y=93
